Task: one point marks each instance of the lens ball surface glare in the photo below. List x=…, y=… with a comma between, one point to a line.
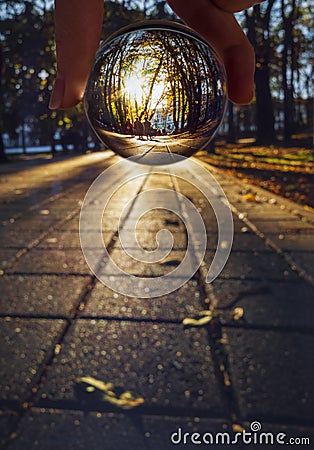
x=156, y=87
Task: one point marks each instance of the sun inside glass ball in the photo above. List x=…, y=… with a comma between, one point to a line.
x=156, y=87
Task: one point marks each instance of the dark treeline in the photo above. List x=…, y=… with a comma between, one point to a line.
x=279, y=31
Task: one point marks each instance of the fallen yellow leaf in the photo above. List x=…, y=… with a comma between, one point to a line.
x=98, y=384
x=124, y=401
x=237, y=428
x=249, y=197
x=237, y=313
x=197, y=322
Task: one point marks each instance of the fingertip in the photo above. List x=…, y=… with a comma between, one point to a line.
x=240, y=96
x=65, y=95
x=240, y=68
x=57, y=94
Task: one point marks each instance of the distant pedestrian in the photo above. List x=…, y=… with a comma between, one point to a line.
x=147, y=129
x=129, y=127
x=138, y=128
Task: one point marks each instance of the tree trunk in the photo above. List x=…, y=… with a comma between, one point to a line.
x=288, y=55
x=23, y=138
x=264, y=108
x=231, y=138
x=3, y=157
x=211, y=148
x=258, y=34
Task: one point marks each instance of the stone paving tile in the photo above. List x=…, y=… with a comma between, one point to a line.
x=34, y=223
x=267, y=304
x=266, y=214
x=267, y=210
x=7, y=256
x=147, y=240
x=68, y=201
x=73, y=225
x=53, y=261
x=25, y=345
x=156, y=181
x=184, y=302
x=140, y=287
x=211, y=224
x=48, y=212
x=71, y=240
x=8, y=211
x=8, y=423
x=152, y=221
x=131, y=265
x=61, y=240
x=130, y=261
x=305, y=261
x=16, y=239
x=243, y=240
x=271, y=374
x=149, y=202
x=282, y=226
x=167, y=365
x=52, y=430
x=249, y=241
x=41, y=295
x=257, y=265
x=293, y=242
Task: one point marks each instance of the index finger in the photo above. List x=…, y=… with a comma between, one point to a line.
x=77, y=32
x=223, y=32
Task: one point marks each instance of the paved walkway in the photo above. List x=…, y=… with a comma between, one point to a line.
x=249, y=358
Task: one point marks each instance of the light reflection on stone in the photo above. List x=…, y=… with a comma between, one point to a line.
x=156, y=87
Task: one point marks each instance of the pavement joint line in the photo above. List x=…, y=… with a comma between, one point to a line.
x=90, y=317
x=34, y=316
x=132, y=319
x=48, y=274
x=140, y=410
x=278, y=328
x=252, y=278
x=169, y=412
x=224, y=322
x=219, y=354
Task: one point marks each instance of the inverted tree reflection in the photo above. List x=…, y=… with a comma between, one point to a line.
x=170, y=80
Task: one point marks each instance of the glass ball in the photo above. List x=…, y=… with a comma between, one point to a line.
x=156, y=87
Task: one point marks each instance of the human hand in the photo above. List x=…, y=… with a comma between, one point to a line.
x=78, y=27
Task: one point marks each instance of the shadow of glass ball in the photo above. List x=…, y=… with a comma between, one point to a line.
x=156, y=87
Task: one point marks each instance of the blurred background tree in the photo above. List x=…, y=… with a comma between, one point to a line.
x=279, y=30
